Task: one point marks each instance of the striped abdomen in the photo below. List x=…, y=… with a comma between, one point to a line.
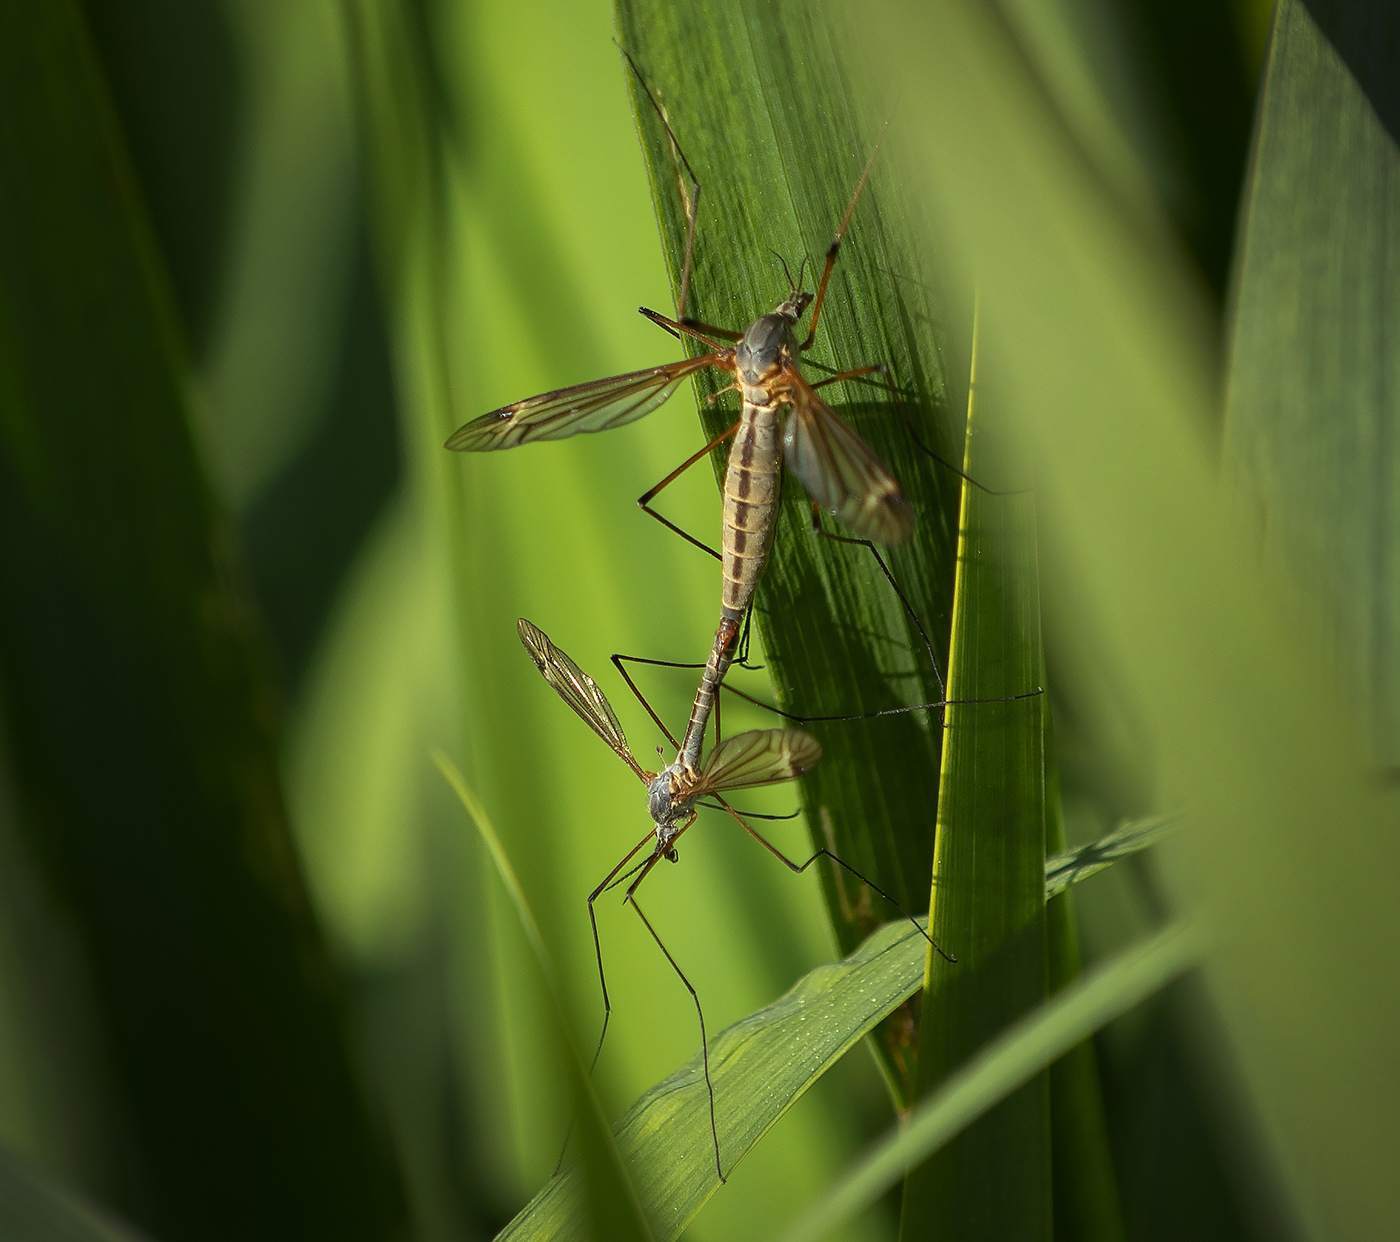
x=750, y=515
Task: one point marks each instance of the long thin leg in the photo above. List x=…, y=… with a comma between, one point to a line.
x=598, y=944
x=853, y=373
x=682, y=327
x=799, y=868
x=908, y=421
x=889, y=577
x=798, y=718
x=645, y=499
x=690, y=200
x=835, y=248
x=618, y=659
x=695, y=996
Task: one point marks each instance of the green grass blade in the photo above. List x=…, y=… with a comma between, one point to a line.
x=768, y=1060
x=34, y=1208
x=1003, y=1066
x=988, y=897
x=760, y=105
x=611, y=1207
x=140, y=714
x=760, y=1068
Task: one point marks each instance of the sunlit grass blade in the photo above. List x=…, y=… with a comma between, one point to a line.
x=1289, y=847
x=610, y=1206
x=1071, y=866
x=34, y=1208
x=1003, y=1066
x=759, y=103
x=761, y=1066
x=988, y=895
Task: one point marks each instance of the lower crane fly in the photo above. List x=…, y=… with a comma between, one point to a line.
x=743, y=761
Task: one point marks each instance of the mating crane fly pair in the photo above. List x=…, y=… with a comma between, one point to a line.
x=782, y=418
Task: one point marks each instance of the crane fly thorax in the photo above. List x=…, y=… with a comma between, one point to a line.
x=768, y=343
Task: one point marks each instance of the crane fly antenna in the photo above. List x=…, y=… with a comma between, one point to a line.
x=792, y=287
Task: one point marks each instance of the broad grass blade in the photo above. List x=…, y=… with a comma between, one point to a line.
x=760, y=105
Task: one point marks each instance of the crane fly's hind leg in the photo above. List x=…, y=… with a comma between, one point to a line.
x=598, y=944
x=799, y=868
x=903, y=599
x=620, y=661
x=907, y=419
x=602, y=979
x=695, y=996
x=645, y=499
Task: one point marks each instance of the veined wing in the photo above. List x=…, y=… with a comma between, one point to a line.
x=579, y=691
x=760, y=757
x=839, y=470
x=595, y=406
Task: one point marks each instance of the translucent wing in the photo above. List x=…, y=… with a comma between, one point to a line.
x=579, y=691
x=595, y=406
x=761, y=757
x=839, y=470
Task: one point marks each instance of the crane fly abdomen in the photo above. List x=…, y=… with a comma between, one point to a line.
x=751, y=491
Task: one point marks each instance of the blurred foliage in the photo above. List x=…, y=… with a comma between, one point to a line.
x=349, y=227
x=139, y=711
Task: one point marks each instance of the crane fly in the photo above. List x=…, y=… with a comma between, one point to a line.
x=743, y=761
x=782, y=417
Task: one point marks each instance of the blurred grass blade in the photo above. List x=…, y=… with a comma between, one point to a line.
x=1313, y=390
x=139, y=710
x=988, y=897
x=1071, y=866
x=34, y=1208
x=1005, y=1065
x=612, y=1207
x=1290, y=842
x=761, y=1066
x=758, y=100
